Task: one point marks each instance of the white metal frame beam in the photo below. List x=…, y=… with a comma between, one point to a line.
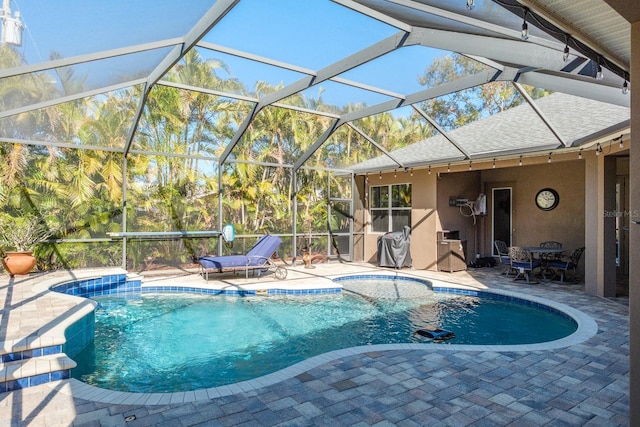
x=365, y=55
x=539, y=112
x=199, y=30
x=358, y=7
x=254, y=58
x=289, y=67
x=579, y=86
x=440, y=129
x=81, y=59
x=74, y=97
x=506, y=51
x=478, y=23
x=443, y=89
x=61, y=145
x=375, y=144
x=434, y=92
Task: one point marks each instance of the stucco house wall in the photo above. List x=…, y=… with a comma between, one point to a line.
x=565, y=223
x=423, y=217
x=465, y=185
x=431, y=211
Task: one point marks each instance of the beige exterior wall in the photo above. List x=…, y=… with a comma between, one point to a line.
x=464, y=185
x=530, y=226
x=424, y=220
x=431, y=211
x=423, y=217
x=600, y=275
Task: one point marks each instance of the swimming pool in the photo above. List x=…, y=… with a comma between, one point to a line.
x=177, y=342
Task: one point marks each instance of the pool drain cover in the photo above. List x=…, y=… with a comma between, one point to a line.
x=436, y=334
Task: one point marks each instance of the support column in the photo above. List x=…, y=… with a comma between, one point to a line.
x=600, y=225
x=634, y=230
x=124, y=211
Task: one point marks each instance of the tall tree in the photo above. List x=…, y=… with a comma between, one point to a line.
x=459, y=108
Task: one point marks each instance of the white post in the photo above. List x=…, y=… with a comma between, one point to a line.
x=11, y=25
x=6, y=13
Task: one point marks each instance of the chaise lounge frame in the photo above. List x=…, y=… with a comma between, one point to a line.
x=258, y=258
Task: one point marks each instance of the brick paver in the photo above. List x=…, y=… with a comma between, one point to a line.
x=585, y=384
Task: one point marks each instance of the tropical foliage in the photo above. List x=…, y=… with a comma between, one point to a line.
x=21, y=233
x=86, y=179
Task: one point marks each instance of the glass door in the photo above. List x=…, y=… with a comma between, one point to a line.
x=501, y=220
x=622, y=227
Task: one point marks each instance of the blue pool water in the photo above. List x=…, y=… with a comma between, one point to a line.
x=180, y=342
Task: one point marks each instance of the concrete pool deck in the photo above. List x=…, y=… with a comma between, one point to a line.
x=583, y=382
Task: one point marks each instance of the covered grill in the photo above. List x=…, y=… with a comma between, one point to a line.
x=394, y=248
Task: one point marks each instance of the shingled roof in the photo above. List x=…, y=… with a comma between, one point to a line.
x=575, y=121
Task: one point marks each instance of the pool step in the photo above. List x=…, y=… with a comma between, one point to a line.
x=18, y=374
x=134, y=276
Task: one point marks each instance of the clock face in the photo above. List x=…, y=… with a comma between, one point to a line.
x=547, y=199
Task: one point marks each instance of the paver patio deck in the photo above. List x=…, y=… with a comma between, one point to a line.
x=579, y=385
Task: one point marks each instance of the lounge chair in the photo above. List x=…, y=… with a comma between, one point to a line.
x=257, y=259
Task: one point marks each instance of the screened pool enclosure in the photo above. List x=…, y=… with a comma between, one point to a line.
x=149, y=118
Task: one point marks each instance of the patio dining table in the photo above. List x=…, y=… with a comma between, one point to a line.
x=544, y=260
x=539, y=250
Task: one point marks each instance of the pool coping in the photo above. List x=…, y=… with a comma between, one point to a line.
x=586, y=328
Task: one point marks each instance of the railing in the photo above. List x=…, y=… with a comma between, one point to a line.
x=166, y=235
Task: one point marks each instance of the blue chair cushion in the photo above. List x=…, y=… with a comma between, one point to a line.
x=526, y=265
x=228, y=261
x=562, y=264
x=256, y=257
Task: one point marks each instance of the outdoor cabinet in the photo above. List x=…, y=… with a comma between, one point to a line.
x=451, y=251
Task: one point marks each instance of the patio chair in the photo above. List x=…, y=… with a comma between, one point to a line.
x=503, y=256
x=523, y=263
x=550, y=244
x=563, y=266
x=546, y=258
x=257, y=259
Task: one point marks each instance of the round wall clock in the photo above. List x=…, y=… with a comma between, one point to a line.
x=547, y=199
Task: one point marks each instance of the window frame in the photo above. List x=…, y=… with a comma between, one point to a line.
x=389, y=209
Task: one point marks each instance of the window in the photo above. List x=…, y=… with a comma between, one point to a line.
x=390, y=207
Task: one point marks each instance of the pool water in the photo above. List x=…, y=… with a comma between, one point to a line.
x=181, y=342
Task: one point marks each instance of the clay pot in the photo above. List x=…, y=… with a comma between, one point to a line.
x=19, y=262
x=306, y=258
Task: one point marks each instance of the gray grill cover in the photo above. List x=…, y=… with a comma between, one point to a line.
x=394, y=248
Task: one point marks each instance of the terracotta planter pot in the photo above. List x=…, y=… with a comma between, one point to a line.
x=19, y=262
